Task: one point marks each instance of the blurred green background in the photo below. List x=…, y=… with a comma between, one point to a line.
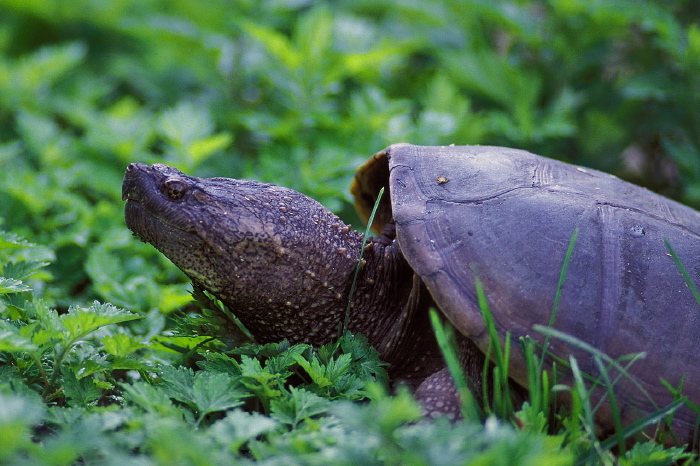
x=300, y=93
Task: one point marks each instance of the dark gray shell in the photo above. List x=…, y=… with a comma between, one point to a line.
x=506, y=216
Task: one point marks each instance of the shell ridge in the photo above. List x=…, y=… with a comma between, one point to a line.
x=482, y=199
x=668, y=213
x=663, y=216
x=542, y=175
x=609, y=271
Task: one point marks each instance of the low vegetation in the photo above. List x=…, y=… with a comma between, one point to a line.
x=104, y=355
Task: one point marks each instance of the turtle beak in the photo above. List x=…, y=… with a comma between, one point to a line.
x=138, y=179
x=134, y=181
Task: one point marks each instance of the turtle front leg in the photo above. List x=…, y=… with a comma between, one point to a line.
x=438, y=396
x=438, y=393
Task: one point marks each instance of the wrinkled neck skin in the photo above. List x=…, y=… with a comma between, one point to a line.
x=390, y=305
x=300, y=288
x=296, y=283
x=304, y=295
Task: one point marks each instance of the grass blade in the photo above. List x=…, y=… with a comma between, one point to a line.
x=346, y=322
x=575, y=342
x=503, y=406
x=683, y=271
x=614, y=409
x=470, y=408
x=557, y=295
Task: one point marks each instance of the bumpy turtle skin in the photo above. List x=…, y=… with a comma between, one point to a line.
x=506, y=217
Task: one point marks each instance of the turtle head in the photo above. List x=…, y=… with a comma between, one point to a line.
x=279, y=259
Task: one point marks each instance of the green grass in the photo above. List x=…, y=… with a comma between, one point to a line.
x=360, y=262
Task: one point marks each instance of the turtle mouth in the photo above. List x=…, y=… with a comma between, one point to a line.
x=143, y=223
x=139, y=185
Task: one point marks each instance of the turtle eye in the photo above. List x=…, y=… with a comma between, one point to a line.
x=174, y=188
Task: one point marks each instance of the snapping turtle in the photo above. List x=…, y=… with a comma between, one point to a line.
x=450, y=215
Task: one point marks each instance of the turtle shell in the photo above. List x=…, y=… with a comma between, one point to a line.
x=506, y=217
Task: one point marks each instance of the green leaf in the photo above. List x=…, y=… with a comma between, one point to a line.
x=216, y=392
x=285, y=360
x=150, y=398
x=121, y=344
x=203, y=392
x=217, y=362
x=11, y=340
x=22, y=269
x=178, y=383
x=651, y=454
x=239, y=427
x=11, y=285
x=299, y=406
x=81, y=393
x=264, y=384
x=11, y=240
x=202, y=149
x=80, y=322
x=18, y=415
x=366, y=359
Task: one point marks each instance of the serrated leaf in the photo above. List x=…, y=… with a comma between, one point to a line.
x=121, y=345
x=217, y=362
x=118, y=362
x=315, y=370
x=178, y=382
x=11, y=285
x=251, y=367
x=103, y=385
x=42, y=336
x=299, y=405
x=268, y=350
x=11, y=340
x=238, y=427
x=262, y=383
x=367, y=361
x=652, y=454
x=79, y=322
x=150, y=398
x=286, y=359
x=216, y=392
x=203, y=392
x=80, y=393
x=10, y=240
x=335, y=377
x=91, y=363
x=22, y=269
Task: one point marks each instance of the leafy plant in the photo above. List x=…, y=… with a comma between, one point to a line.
x=300, y=94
